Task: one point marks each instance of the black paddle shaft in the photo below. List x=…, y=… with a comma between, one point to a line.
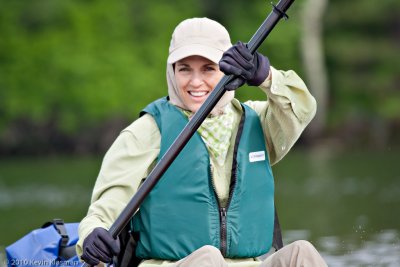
x=191, y=127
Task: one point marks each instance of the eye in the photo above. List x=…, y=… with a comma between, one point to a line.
x=209, y=68
x=183, y=69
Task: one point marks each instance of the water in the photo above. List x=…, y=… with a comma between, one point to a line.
x=380, y=249
x=50, y=196
x=346, y=204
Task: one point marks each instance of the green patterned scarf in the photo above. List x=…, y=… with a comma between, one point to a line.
x=216, y=132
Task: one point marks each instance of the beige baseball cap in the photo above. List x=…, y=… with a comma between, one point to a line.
x=199, y=36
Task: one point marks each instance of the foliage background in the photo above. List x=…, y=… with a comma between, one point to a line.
x=74, y=73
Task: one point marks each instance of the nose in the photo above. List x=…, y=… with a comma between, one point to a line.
x=196, y=80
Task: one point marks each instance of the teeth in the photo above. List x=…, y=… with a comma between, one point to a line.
x=198, y=93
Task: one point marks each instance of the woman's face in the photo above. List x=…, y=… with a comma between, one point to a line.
x=196, y=77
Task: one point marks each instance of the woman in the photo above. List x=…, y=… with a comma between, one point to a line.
x=214, y=205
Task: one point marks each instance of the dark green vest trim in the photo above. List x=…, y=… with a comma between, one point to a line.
x=182, y=213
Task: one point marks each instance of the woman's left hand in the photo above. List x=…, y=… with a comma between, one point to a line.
x=238, y=61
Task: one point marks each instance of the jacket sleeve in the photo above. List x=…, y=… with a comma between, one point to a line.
x=288, y=110
x=125, y=165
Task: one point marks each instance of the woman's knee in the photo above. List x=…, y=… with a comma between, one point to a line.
x=206, y=256
x=303, y=245
x=209, y=250
x=212, y=253
x=307, y=252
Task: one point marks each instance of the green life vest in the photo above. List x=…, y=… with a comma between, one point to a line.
x=182, y=212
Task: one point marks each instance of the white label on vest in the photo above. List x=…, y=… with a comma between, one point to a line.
x=257, y=156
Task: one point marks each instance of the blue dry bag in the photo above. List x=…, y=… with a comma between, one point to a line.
x=51, y=245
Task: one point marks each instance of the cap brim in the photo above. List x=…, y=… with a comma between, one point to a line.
x=195, y=50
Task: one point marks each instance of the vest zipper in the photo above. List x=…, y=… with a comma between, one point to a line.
x=222, y=217
x=223, y=230
x=223, y=211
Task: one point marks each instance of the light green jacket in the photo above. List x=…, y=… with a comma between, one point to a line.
x=284, y=115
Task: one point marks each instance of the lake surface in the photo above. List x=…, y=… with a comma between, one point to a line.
x=345, y=203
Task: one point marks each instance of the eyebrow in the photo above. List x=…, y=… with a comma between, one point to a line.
x=187, y=65
x=182, y=64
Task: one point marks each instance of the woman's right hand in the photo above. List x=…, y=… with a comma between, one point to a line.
x=249, y=68
x=98, y=246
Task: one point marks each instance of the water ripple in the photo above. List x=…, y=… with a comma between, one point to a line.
x=383, y=249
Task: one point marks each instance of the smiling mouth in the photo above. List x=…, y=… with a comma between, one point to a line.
x=198, y=93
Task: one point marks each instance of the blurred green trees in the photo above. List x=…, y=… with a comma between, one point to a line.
x=74, y=73
x=362, y=48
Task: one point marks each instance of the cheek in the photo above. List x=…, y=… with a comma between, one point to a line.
x=181, y=82
x=216, y=78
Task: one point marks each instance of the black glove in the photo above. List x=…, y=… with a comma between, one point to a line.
x=238, y=60
x=98, y=246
